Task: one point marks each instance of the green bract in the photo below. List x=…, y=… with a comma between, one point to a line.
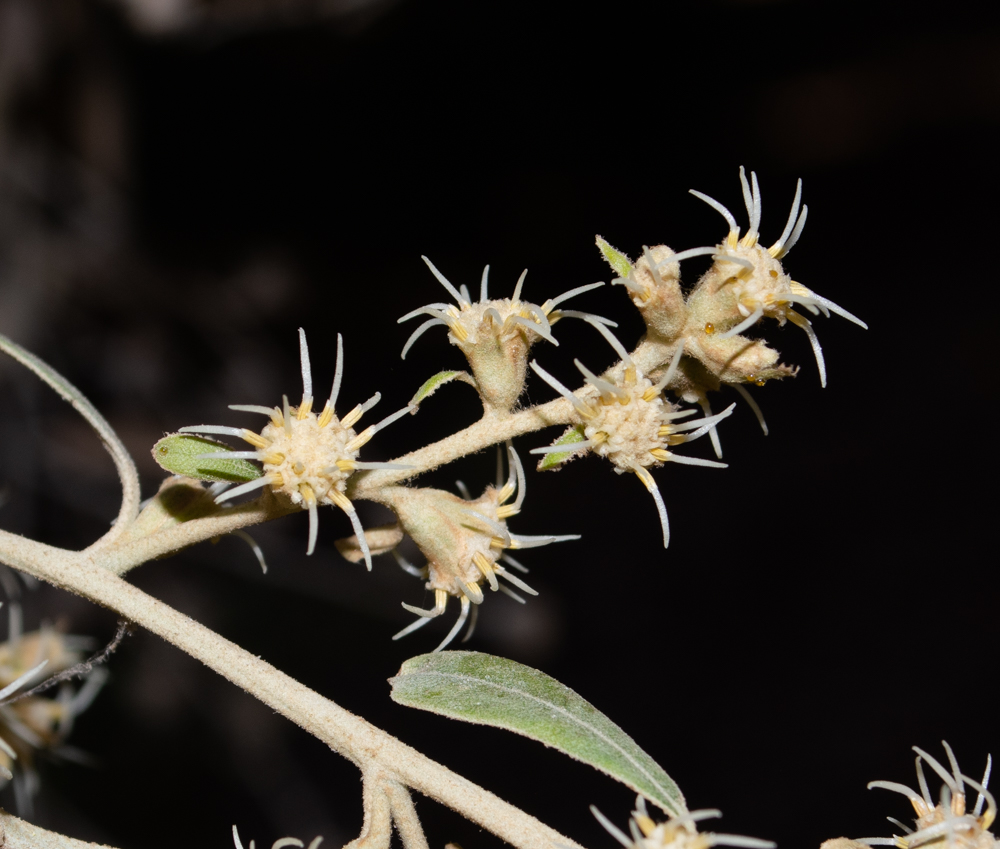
x=179, y=453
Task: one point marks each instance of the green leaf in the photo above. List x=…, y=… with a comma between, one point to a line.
x=551, y=461
x=431, y=385
x=616, y=259
x=178, y=453
x=487, y=690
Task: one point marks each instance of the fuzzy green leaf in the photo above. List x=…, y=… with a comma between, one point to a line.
x=178, y=453
x=431, y=385
x=551, y=461
x=616, y=259
x=488, y=690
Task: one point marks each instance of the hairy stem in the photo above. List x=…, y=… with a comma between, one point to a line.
x=357, y=740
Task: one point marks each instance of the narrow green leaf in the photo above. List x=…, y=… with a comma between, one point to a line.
x=487, y=690
x=616, y=259
x=431, y=385
x=178, y=453
x=551, y=461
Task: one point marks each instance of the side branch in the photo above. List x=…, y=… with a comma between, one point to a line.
x=360, y=742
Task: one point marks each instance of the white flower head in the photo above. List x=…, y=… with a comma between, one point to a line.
x=307, y=458
x=947, y=824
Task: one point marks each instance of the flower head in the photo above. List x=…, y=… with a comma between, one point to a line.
x=306, y=458
x=496, y=334
x=629, y=423
x=678, y=832
x=465, y=541
x=946, y=824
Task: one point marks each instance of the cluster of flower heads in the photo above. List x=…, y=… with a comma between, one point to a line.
x=678, y=832
x=466, y=543
x=38, y=723
x=306, y=458
x=947, y=824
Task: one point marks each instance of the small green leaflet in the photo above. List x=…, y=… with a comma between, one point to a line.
x=178, y=453
x=431, y=385
x=616, y=259
x=487, y=690
x=551, y=461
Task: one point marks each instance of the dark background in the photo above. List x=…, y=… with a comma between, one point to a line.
x=184, y=185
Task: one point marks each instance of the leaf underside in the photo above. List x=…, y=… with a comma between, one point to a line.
x=487, y=690
x=178, y=453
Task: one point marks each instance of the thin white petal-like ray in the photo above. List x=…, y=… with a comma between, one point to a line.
x=472, y=592
x=338, y=373
x=749, y=321
x=906, y=829
x=509, y=487
x=925, y=791
x=653, y=267
x=313, y=525
x=875, y=841
x=753, y=405
x=564, y=449
x=362, y=539
x=613, y=341
x=534, y=325
x=611, y=828
x=839, y=310
x=252, y=408
x=519, y=286
x=718, y=207
x=708, y=423
x=517, y=564
x=740, y=841
x=986, y=783
x=464, y=291
x=551, y=303
x=672, y=368
x=519, y=471
x=955, y=771
x=508, y=591
x=737, y=260
x=307, y=379
x=21, y=680
x=409, y=629
x=706, y=408
x=684, y=460
x=810, y=302
x=747, y=197
x=438, y=310
x=543, y=319
x=484, y=284
x=607, y=389
x=536, y=540
x=214, y=429
x=462, y=616
x=371, y=402
x=473, y=619
x=630, y=284
x=586, y=316
x=407, y=566
x=777, y=249
x=895, y=787
x=494, y=316
x=690, y=252
x=806, y=325
x=797, y=231
x=991, y=805
x=229, y=455
x=427, y=613
x=427, y=325
x=244, y=488
x=463, y=490
x=562, y=390
x=495, y=526
x=516, y=581
x=236, y=839
x=661, y=508
x=388, y=420
x=258, y=552
x=444, y=282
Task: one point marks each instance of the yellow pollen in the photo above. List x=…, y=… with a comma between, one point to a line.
x=352, y=416
x=276, y=479
x=630, y=374
x=709, y=328
x=760, y=381
x=773, y=272
x=274, y=459
x=660, y=454
x=505, y=493
x=458, y=330
x=644, y=476
x=346, y=465
x=498, y=543
x=255, y=439
x=507, y=511
x=298, y=467
x=600, y=437
x=326, y=416
x=748, y=241
x=646, y=825
x=732, y=240
x=276, y=418
x=341, y=500
x=307, y=494
x=650, y=393
x=304, y=408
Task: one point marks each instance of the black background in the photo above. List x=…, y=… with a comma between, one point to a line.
x=826, y=602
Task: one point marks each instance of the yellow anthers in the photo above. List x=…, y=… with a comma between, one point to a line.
x=465, y=541
x=747, y=281
x=39, y=722
x=630, y=423
x=678, y=832
x=947, y=824
x=495, y=335
x=307, y=458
